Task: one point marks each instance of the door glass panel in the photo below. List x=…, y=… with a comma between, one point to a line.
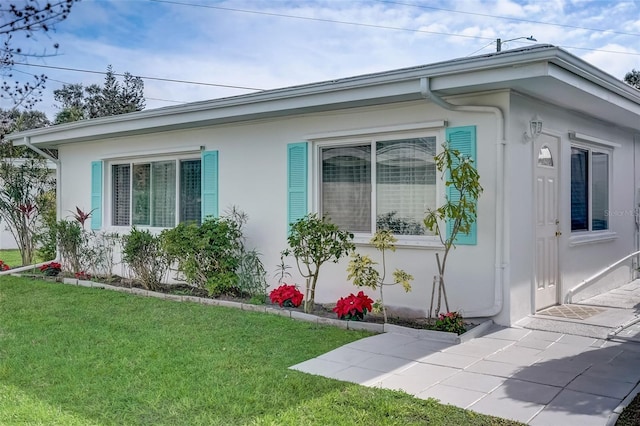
x=544, y=157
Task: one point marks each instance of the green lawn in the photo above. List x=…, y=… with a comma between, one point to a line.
x=11, y=257
x=78, y=356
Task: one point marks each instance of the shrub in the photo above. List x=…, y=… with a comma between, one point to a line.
x=142, y=251
x=361, y=268
x=451, y=322
x=207, y=255
x=251, y=274
x=72, y=243
x=353, y=307
x=51, y=269
x=286, y=295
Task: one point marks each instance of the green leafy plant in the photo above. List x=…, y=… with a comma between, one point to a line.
x=22, y=182
x=207, y=255
x=45, y=235
x=461, y=212
x=451, y=322
x=286, y=296
x=314, y=241
x=72, y=242
x=353, y=307
x=142, y=252
x=398, y=225
x=363, y=273
x=51, y=269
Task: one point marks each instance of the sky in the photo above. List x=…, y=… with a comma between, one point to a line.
x=266, y=44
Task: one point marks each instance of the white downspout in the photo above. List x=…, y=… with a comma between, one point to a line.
x=27, y=142
x=502, y=242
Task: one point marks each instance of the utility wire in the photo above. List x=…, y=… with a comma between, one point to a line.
x=65, y=82
x=170, y=80
x=306, y=18
x=384, y=27
x=529, y=21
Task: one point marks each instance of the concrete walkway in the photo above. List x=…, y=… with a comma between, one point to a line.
x=539, y=377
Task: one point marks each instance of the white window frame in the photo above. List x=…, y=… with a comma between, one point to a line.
x=336, y=140
x=131, y=161
x=591, y=145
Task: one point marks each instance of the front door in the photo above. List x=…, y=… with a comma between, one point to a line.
x=546, y=217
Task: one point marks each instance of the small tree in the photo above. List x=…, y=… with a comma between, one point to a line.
x=314, y=241
x=460, y=211
x=22, y=182
x=363, y=274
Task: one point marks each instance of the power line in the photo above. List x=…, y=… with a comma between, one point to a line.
x=384, y=27
x=170, y=80
x=65, y=82
x=529, y=21
x=306, y=18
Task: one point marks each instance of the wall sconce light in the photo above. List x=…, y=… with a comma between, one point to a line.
x=535, y=128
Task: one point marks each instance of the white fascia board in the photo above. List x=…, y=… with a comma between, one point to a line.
x=224, y=111
x=459, y=76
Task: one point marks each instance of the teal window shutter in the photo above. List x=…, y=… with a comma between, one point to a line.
x=96, y=194
x=209, y=184
x=296, y=181
x=464, y=140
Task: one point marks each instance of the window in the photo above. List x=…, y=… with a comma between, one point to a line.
x=385, y=184
x=589, y=189
x=150, y=193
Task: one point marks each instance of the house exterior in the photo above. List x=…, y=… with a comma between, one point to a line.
x=557, y=206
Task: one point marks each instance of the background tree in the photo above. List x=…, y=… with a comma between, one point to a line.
x=79, y=102
x=26, y=18
x=26, y=184
x=632, y=78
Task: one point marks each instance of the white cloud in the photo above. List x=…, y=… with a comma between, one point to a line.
x=265, y=51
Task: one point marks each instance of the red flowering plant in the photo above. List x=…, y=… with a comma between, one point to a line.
x=287, y=296
x=353, y=307
x=451, y=322
x=51, y=268
x=4, y=266
x=82, y=275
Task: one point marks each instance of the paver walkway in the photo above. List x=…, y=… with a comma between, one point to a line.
x=559, y=371
x=537, y=377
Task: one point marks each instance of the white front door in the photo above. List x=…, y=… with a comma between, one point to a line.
x=546, y=217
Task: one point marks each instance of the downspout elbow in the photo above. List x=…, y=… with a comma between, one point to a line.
x=501, y=261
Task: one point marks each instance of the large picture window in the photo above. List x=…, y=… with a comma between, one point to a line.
x=384, y=184
x=150, y=193
x=589, y=189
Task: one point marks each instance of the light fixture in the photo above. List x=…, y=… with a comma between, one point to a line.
x=500, y=42
x=535, y=128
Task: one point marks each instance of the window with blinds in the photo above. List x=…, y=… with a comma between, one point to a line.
x=150, y=194
x=386, y=184
x=121, y=175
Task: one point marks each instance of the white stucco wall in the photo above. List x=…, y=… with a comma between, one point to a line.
x=577, y=260
x=252, y=175
x=7, y=242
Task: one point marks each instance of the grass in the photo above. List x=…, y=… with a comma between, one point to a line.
x=81, y=356
x=11, y=257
